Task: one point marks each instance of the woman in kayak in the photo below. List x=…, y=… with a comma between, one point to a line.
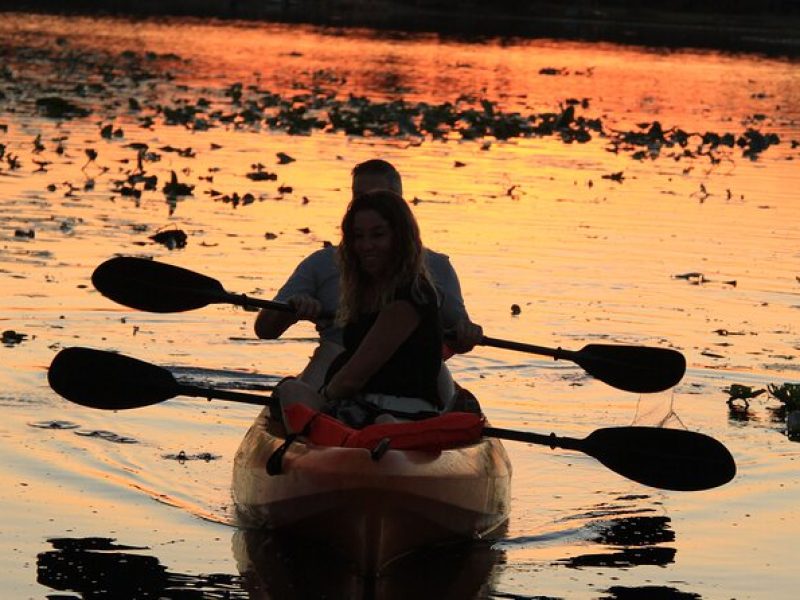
x=389, y=314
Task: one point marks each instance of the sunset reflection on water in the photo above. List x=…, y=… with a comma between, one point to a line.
x=530, y=221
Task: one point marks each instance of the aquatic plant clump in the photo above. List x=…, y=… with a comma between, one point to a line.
x=86, y=85
x=788, y=394
x=745, y=393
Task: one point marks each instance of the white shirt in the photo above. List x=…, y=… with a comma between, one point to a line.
x=318, y=276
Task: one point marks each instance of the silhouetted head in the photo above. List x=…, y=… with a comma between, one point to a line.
x=376, y=174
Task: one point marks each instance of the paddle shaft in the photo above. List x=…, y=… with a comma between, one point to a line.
x=243, y=300
x=248, y=301
x=530, y=437
x=214, y=394
x=556, y=353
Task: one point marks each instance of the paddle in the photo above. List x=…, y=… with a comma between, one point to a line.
x=638, y=369
x=111, y=381
x=158, y=287
x=161, y=288
x=670, y=459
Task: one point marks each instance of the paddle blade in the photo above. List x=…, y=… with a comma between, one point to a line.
x=670, y=459
x=638, y=369
x=109, y=381
x=153, y=286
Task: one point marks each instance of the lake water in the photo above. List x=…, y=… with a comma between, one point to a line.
x=593, y=238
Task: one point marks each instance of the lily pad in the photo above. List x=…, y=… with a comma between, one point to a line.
x=787, y=393
x=11, y=337
x=55, y=107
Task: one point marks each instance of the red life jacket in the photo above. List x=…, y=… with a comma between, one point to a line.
x=448, y=430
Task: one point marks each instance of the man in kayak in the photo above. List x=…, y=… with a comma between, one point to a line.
x=313, y=290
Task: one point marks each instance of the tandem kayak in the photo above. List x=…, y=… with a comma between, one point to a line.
x=371, y=512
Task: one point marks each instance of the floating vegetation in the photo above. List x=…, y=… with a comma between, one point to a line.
x=108, y=132
x=185, y=152
x=182, y=457
x=618, y=177
x=171, y=238
x=744, y=393
x=12, y=338
x=173, y=188
x=233, y=199
x=788, y=413
x=259, y=174
x=787, y=393
x=651, y=139
x=317, y=105
x=54, y=425
x=108, y=436
x=99, y=567
x=698, y=279
x=552, y=71
x=624, y=558
x=55, y=107
x=725, y=332
x=789, y=396
x=323, y=108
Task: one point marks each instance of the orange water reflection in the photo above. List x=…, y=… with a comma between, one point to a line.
x=532, y=222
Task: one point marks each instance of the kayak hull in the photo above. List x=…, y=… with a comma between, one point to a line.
x=371, y=512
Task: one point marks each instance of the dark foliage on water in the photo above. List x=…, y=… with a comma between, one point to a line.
x=12, y=338
x=648, y=592
x=101, y=568
x=315, y=106
x=624, y=557
x=171, y=238
x=632, y=540
x=34, y=83
x=57, y=108
x=467, y=118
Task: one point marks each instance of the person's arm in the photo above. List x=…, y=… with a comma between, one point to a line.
x=464, y=334
x=451, y=302
x=270, y=324
x=394, y=325
x=299, y=291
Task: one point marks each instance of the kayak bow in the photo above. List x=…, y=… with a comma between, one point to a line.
x=372, y=512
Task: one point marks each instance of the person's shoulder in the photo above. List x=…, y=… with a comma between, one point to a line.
x=323, y=256
x=439, y=265
x=328, y=251
x=436, y=257
x=438, y=262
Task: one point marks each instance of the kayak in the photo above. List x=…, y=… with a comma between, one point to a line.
x=371, y=511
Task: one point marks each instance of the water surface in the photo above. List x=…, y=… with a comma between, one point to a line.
x=592, y=241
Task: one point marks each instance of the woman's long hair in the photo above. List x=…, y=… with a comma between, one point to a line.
x=407, y=268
